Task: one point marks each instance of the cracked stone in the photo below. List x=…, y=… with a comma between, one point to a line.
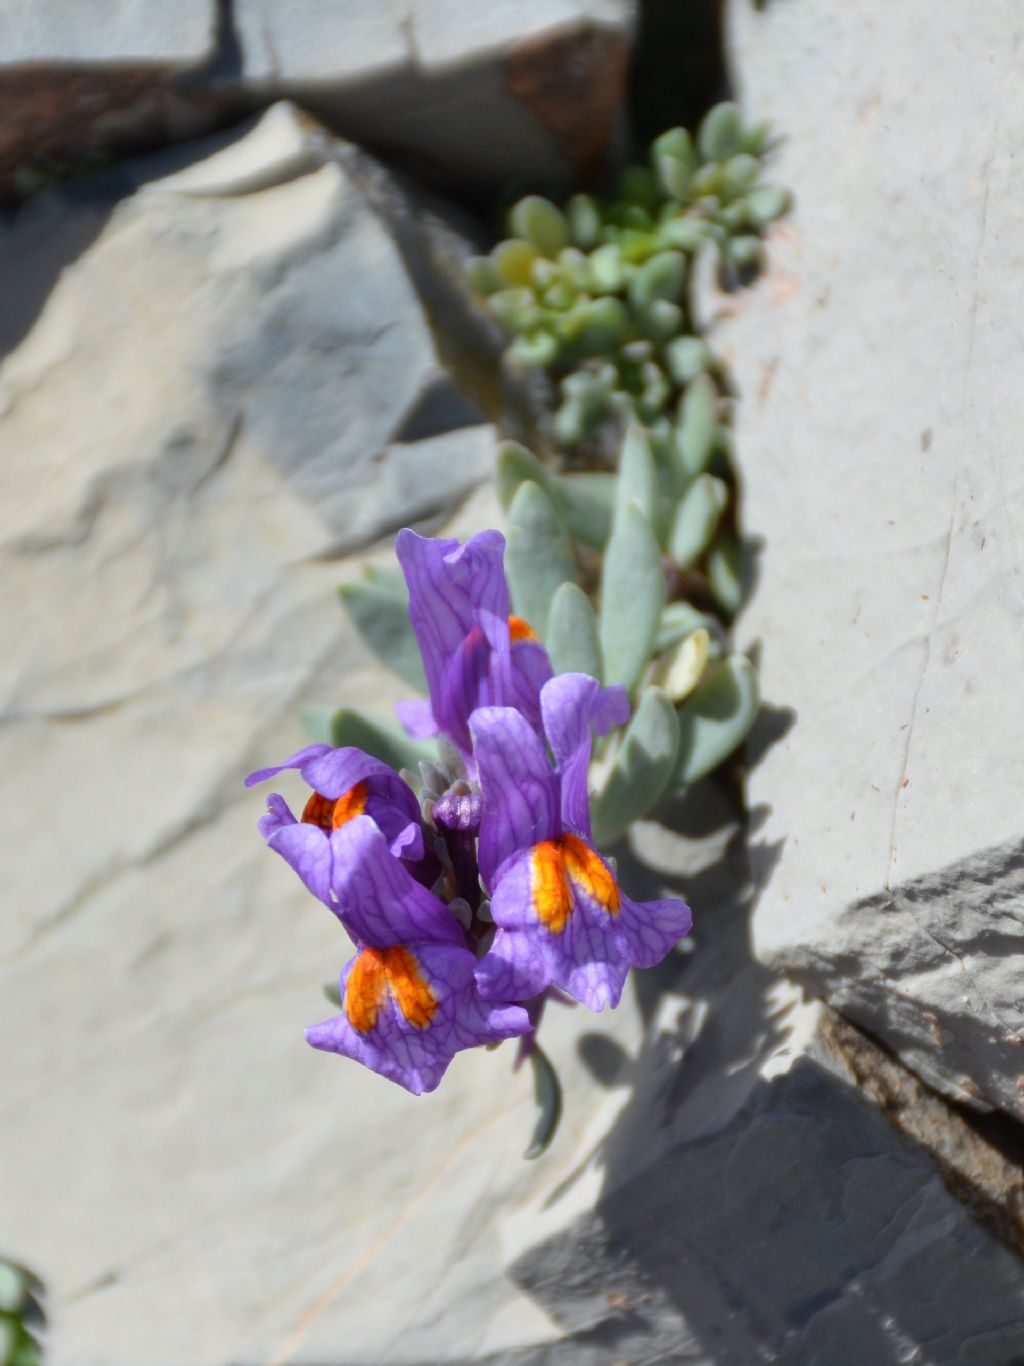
x=476, y=98
x=879, y=437
x=216, y=391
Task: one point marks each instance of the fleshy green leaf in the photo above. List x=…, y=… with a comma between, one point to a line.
x=744, y=252
x=548, y=1094
x=696, y=425
x=383, y=738
x=642, y=768
x=585, y=502
x=739, y=173
x=638, y=476
x=482, y=275
x=536, y=349
x=677, y=621
x=379, y=610
x=538, y=556
x=316, y=722
x=662, y=277
x=538, y=221
x=584, y=221
x=688, y=357
x=515, y=466
x=696, y=519
x=513, y=259
x=721, y=133
x=716, y=718
x=725, y=574
x=765, y=204
x=686, y=234
x=632, y=596
x=572, y=639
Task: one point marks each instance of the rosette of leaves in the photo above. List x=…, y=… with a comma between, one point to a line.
x=596, y=293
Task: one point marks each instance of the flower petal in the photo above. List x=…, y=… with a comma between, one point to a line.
x=279, y=814
x=300, y=757
x=416, y=718
x=652, y=928
x=453, y=589
x=520, y=791
x=380, y=902
x=571, y=704
x=410, y=1035
x=307, y=849
x=562, y=920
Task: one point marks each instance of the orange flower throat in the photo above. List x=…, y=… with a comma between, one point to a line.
x=379, y=971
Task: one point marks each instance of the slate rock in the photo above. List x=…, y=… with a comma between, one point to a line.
x=475, y=98
x=879, y=435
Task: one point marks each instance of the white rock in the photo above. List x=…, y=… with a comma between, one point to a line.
x=474, y=94
x=879, y=432
x=107, y=31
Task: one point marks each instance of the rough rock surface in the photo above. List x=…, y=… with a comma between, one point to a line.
x=483, y=94
x=879, y=427
x=476, y=96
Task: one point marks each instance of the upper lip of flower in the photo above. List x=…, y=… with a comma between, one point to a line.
x=474, y=651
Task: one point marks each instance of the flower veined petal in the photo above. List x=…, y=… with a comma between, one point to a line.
x=520, y=791
x=379, y=900
x=407, y=1011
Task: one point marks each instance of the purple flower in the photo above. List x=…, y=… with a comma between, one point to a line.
x=346, y=783
x=474, y=653
x=562, y=918
x=409, y=997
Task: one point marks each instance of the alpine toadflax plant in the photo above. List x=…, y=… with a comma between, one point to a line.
x=475, y=898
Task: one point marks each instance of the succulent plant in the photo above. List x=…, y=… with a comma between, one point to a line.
x=596, y=292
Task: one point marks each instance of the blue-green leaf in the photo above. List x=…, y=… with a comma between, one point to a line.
x=725, y=573
x=538, y=556
x=537, y=220
x=379, y=610
x=548, y=1094
x=585, y=502
x=696, y=426
x=642, y=767
x=721, y=133
x=696, y=519
x=632, y=596
x=716, y=718
x=638, y=476
x=572, y=638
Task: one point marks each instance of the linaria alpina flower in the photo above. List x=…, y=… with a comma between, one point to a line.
x=409, y=998
x=562, y=917
x=346, y=783
x=474, y=653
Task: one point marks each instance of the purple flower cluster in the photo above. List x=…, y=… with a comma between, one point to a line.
x=469, y=902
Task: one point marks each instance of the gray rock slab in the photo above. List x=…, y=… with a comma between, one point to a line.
x=471, y=95
x=107, y=31
x=879, y=432
x=474, y=97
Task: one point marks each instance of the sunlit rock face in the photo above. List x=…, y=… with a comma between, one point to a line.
x=879, y=430
x=473, y=96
